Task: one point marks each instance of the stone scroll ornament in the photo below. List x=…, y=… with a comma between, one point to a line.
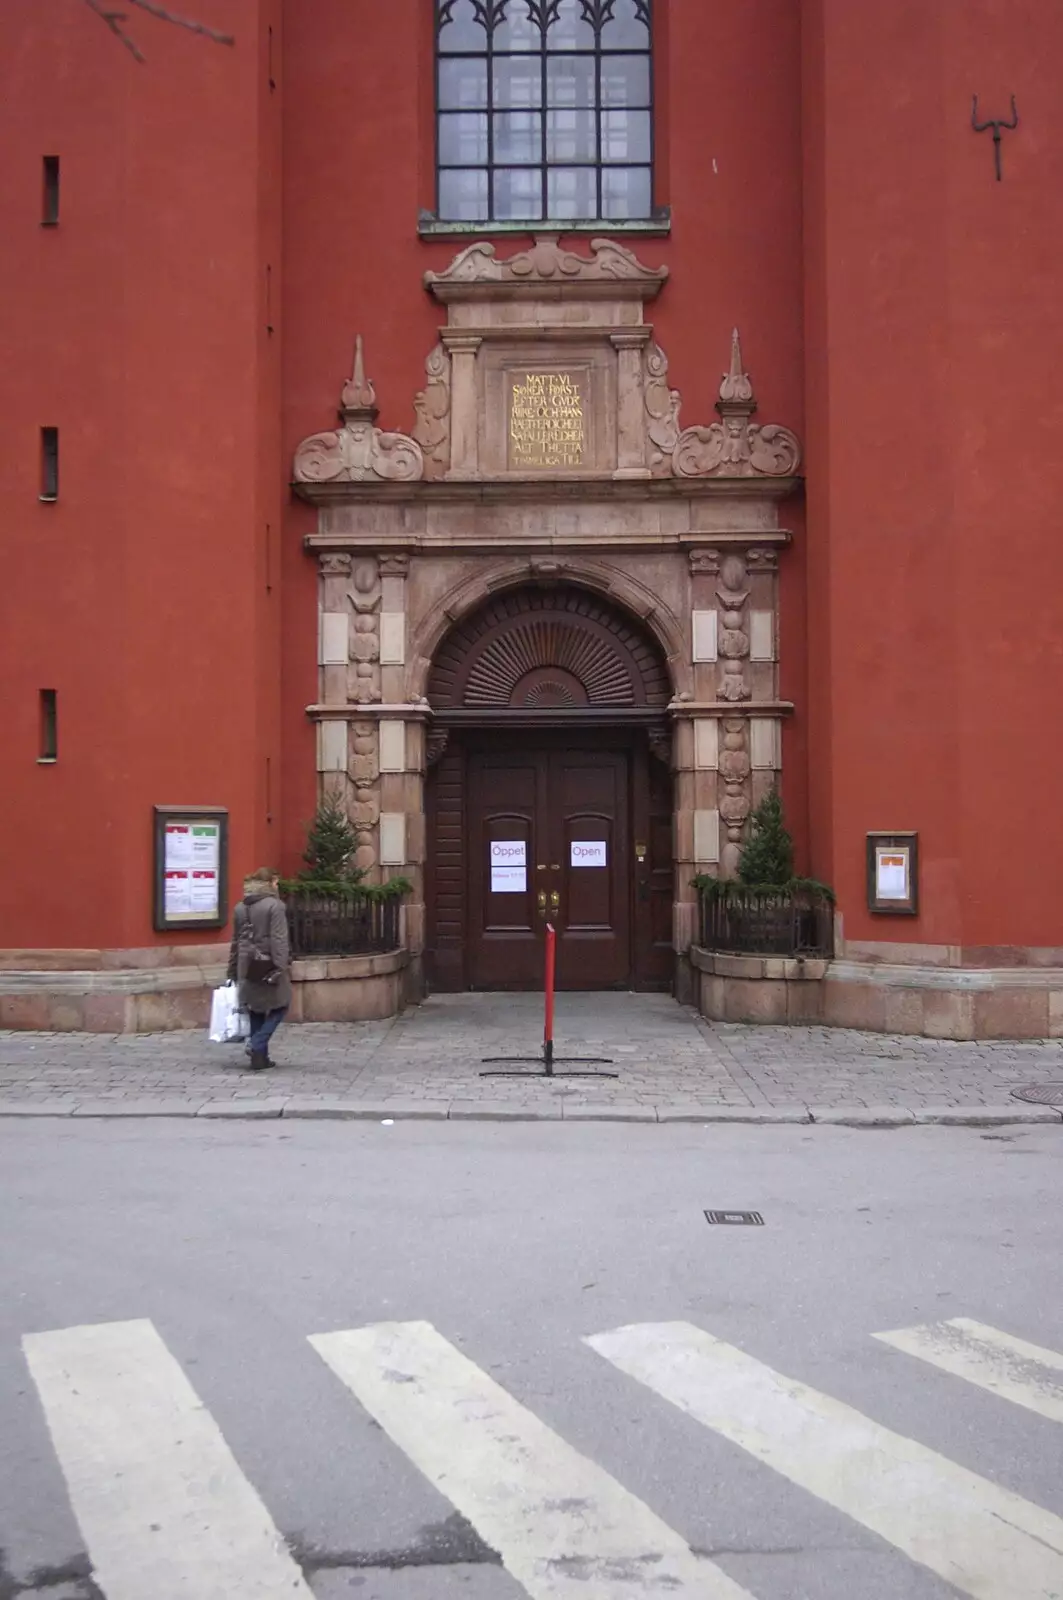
x=734, y=447
x=359, y=451
x=432, y=405
x=545, y=262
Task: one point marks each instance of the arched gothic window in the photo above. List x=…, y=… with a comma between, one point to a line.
x=545, y=110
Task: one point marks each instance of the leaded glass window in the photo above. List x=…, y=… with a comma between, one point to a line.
x=544, y=110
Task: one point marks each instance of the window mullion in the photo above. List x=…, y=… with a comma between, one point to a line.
x=490, y=52
x=544, y=171
x=598, y=154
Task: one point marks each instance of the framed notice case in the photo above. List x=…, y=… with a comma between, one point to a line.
x=893, y=874
x=191, y=867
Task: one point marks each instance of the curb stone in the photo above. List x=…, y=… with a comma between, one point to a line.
x=138, y=1108
x=499, y=1111
x=338, y=1109
x=242, y=1110
x=755, y=1114
x=986, y=1116
x=37, y=1108
x=865, y=1117
x=586, y=1113
x=367, y=1111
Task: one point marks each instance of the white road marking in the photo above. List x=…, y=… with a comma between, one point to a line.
x=163, y=1507
x=563, y=1527
x=1025, y=1373
x=985, y=1540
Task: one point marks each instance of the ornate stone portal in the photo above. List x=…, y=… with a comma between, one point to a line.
x=548, y=448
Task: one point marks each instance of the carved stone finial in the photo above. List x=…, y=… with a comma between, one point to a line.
x=734, y=447
x=359, y=396
x=358, y=452
x=736, y=391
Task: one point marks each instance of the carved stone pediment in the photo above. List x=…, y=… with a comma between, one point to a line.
x=478, y=272
x=546, y=370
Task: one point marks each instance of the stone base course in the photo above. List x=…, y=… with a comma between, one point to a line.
x=930, y=1001
x=150, y=998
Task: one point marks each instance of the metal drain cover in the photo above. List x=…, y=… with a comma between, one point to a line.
x=1041, y=1094
x=740, y=1219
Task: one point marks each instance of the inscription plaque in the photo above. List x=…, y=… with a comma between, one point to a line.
x=546, y=422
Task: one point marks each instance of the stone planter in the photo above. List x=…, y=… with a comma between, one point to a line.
x=785, y=990
x=764, y=954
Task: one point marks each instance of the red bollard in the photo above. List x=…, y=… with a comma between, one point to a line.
x=548, y=1029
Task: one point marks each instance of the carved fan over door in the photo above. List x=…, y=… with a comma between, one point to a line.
x=552, y=649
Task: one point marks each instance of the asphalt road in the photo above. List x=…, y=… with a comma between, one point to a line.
x=450, y=1431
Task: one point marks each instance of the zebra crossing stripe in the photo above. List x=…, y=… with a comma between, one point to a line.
x=1024, y=1373
x=563, y=1527
x=986, y=1541
x=163, y=1507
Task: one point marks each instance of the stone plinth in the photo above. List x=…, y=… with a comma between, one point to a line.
x=784, y=990
x=880, y=997
x=157, y=999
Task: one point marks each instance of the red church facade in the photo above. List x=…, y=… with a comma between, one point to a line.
x=823, y=555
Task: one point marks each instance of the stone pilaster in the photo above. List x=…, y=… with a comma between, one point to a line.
x=630, y=405
x=464, y=405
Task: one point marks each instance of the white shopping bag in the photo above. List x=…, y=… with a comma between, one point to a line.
x=227, y=1021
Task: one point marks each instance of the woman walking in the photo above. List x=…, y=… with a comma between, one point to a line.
x=260, y=962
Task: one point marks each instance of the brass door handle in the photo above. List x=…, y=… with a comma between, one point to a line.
x=542, y=902
x=555, y=899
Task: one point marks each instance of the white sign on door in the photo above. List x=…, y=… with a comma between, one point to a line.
x=508, y=853
x=508, y=880
x=588, y=853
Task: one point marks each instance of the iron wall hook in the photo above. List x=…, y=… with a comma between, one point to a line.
x=997, y=124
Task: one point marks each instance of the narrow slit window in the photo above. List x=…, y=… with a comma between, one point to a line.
x=49, y=463
x=50, y=193
x=49, y=744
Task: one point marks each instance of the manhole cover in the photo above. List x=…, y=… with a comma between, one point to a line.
x=1041, y=1094
x=747, y=1219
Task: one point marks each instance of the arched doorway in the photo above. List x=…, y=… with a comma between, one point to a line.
x=549, y=796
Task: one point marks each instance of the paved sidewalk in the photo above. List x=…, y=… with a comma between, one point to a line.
x=671, y=1065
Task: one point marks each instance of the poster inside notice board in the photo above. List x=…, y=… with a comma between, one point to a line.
x=191, y=867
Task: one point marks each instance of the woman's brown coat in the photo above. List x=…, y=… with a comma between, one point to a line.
x=261, y=919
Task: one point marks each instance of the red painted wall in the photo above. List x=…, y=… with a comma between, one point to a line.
x=138, y=327
x=933, y=323
x=828, y=196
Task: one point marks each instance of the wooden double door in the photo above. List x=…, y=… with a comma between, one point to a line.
x=568, y=831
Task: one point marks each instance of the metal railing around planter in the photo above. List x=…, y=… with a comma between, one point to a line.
x=342, y=925
x=768, y=922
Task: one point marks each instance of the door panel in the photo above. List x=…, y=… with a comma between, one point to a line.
x=505, y=930
x=588, y=802
x=654, y=952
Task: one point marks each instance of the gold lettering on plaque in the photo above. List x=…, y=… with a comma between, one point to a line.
x=546, y=421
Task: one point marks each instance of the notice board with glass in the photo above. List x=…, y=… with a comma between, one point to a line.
x=191, y=867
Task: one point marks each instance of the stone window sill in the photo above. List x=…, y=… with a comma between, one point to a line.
x=429, y=226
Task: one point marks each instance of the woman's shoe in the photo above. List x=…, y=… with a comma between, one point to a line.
x=259, y=1061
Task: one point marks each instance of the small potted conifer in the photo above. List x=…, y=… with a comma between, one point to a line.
x=766, y=910
x=331, y=908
